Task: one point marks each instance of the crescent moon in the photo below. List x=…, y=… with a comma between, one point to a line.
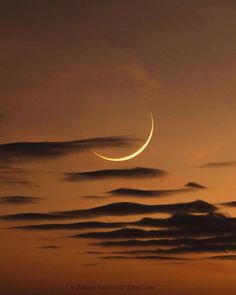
x=139, y=151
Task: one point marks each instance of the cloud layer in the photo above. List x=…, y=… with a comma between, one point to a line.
x=117, y=209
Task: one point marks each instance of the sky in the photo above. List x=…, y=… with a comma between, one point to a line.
x=84, y=76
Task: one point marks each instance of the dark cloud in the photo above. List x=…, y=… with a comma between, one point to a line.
x=183, y=250
x=151, y=257
x=73, y=226
x=223, y=257
x=229, y=204
x=193, y=228
x=125, y=233
x=209, y=221
x=94, y=197
x=219, y=164
x=179, y=234
x=135, y=233
x=118, y=209
x=137, y=172
x=21, y=151
x=195, y=185
x=170, y=242
x=129, y=208
x=189, y=187
x=33, y=216
x=177, y=226
x=19, y=200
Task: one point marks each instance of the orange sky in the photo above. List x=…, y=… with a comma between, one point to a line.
x=76, y=70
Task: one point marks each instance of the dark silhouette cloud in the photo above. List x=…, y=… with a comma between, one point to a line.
x=129, y=208
x=195, y=185
x=209, y=221
x=72, y=226
x=151, y=257
x=183, y=250
x=189, y=187
x=21, y=151
x=193, y=228
x=223, y=257
x=118, y=209
x=135, y=233
x=94, y=197
x=19, y=200
x=170, y=242
x=183, y=227
x=219, y=164
x=137, y=172
x=33, y=216
x=229, y=204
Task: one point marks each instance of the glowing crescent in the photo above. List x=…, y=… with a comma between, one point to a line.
x=139, y=151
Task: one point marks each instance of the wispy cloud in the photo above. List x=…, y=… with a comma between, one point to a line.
x=137, y=172
x=218, y=164
x=19, y=200
x=189, y=187
x=14, y=176
x=21, y=151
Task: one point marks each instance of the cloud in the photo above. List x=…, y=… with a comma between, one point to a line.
x=14, y=176
x=195, y=185
x=118, y=209
x=22, y=151
x=151, y=257
x=33, y=216
x=189, y=187
x=219, y=164
x=73, y=226
x=170, y=242
x=137, y=172
x=223, y=257
x=179, y=234
x=135, y=233
x=19, y=200
x=215, y=228
x=229, y=204
x=94, y=197
x=193, y=228
x=183, y=250
x=183, y=221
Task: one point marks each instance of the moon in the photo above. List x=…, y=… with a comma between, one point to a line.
x=135, y=154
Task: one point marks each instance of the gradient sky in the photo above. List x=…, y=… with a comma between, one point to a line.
x=76, y=70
